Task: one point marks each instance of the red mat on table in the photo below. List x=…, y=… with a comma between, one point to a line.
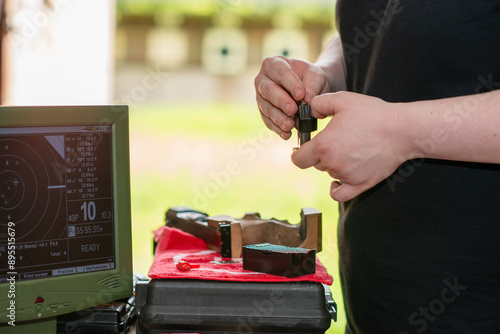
x=175, y=245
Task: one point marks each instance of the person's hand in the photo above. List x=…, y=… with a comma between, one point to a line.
x=361, y=145
x=280, y=85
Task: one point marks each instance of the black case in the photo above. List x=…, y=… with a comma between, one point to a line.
x=115, y=317
x=216, y=307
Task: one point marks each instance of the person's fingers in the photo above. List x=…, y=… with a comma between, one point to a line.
x=284, y=74
x=333, y=175
x=274, y=118
x=305, y=157
x=273, y=127
x=315, y=84
x=345, y=192
x=329, y=104
x=334, y=186
x=276, y=96
x=280, y=73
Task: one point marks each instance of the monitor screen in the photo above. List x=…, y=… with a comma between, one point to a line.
x=65, y=225
x=56, y=188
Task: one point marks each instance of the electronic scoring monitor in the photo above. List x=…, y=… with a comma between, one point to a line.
x=65, y=231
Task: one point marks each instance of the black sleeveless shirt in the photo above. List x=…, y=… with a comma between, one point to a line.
x=420, y=252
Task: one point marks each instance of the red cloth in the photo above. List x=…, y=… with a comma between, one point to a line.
x=175, y=245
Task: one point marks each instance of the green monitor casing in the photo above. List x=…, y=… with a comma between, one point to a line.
x=65, y=223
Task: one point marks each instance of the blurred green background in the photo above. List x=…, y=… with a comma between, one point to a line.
x=186, y=69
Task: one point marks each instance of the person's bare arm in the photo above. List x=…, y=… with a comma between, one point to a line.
x=331, y=61
x=465, y=128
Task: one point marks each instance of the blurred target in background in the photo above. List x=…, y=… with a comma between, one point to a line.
x=224, y=50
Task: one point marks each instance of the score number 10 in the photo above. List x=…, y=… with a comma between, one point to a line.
x=90, y=211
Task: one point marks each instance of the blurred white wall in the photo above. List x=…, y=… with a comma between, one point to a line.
x=60, y=52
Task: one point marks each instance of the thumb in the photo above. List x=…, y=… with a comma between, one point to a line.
x=343, y=192
x=329, y=104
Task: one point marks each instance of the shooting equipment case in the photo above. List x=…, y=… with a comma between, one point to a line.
x=217, y=307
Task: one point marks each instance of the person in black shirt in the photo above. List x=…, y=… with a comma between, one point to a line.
x=411, y=88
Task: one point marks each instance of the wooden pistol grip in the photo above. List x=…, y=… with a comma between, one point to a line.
x=252, y=229
x=272, y=231
x=214, y=221
x=307, y=234
x=312, y=231
x=236, y=240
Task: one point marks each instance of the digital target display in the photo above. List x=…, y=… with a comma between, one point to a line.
x=56, y=192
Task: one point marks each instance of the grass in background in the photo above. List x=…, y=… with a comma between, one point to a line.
x=220, y=159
